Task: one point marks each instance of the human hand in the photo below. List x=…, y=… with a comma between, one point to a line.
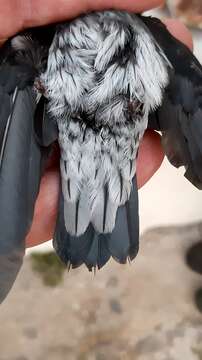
x=17, y=15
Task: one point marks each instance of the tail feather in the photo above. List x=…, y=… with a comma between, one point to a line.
x=104, y=212
x=94, y=249
x=70, y=248
x=77, y=214
x=124, y=240
x=132, y=215
x=99, y=253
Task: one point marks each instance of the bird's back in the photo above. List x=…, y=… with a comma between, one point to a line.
x=104, y=74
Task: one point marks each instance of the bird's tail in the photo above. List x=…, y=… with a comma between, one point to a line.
x=94, y=249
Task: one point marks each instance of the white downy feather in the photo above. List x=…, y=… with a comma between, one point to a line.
x=101, y=102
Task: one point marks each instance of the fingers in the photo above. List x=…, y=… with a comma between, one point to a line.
x=45, y=210
x=19, y=14
x=180, y=31
x=150, y=157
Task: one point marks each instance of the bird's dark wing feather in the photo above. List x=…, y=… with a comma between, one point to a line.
x=180, y=116
x=21, y=159
x=45, y=126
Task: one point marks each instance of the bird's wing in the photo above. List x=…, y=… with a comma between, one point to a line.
x=21, y=159
x=45, y=126
x=180, y=116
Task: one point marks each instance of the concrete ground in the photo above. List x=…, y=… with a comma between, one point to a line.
x=142, y=311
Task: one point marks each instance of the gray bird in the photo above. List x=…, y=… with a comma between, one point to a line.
x=94, y=84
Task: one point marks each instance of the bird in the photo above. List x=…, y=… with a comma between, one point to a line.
x=94, y=85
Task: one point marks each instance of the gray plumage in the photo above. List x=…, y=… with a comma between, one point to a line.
x=104, y=74
x=93, y=84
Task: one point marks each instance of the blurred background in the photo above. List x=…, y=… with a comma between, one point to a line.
x=149, y=310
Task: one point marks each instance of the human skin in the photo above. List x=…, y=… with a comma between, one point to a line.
x=17, y=15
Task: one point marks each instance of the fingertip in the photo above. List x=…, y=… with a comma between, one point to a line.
x=17, y=15
x=180, y=31
x=45, y=213
x=150, y=157
x=128, y=5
